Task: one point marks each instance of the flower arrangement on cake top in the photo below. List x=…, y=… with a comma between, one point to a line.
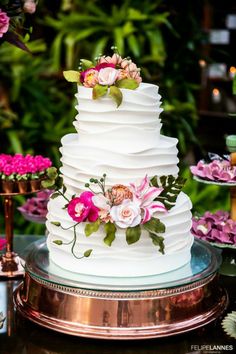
x=19, y=168
x=107, y=75
x=216, y=228
x=131, y=207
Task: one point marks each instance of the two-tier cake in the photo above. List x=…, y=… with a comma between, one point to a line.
x=121, y=212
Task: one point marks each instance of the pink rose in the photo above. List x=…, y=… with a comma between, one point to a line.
x=127, y=214
x=4, y=23
x=89, y=77
x=107, y=76
x=82, y=208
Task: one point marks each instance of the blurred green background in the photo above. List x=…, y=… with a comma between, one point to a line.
x=37, y=104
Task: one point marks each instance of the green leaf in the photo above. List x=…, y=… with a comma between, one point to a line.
x=91, y=227
x=130, y=84
x=158, y=241
x=52, y=173
x=116, y=94
x=48, y=183
x=154, y=225
x=59, y=182
x=56, y=223
x=110, y=231
x=54, y=195
x=234, y=85
x=72, y=75
x=133, y=234
x=99, y=91
x=86, y=64
x=88, y=252
x=58, y=242
x=171, y=188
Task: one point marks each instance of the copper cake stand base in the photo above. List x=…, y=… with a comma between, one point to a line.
x=160, y=310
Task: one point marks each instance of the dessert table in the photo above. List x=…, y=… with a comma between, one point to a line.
x=21, y=336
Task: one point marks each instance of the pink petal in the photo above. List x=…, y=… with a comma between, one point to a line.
x=147, y=215
x=151, y=194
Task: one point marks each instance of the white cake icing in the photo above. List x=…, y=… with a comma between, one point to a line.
x=126, y=144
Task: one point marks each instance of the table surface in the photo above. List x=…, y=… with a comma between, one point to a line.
x=21, y=336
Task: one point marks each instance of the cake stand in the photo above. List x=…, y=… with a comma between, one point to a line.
x=11, y=265
x=122, y=308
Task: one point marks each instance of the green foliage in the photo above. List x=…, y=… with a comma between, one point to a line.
x=171, y=188
x=133, y=234
x=110, y=231
x=91, y=227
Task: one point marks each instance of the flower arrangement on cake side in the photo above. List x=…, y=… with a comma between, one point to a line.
x=19, y=173
x=107, y=76
x=131, y=207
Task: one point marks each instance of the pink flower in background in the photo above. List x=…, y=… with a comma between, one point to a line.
x=82, y=208
x=215, y=227
x=145, y=195
x=107, y=76
x=217, y=170
x=127, y=214
x=4, y=23
x=2, y=243
x=29, y=6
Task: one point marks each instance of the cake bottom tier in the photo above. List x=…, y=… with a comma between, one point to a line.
x=120, y=259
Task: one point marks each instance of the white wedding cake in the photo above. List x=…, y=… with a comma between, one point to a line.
x=113, y=156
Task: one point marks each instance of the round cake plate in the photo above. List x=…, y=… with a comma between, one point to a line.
x=122, y=308
x=215, y=182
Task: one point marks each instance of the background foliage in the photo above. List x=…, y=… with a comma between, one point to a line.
x=37, y=105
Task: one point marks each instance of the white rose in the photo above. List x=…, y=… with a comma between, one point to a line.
x=127, y=214
x=107, y=76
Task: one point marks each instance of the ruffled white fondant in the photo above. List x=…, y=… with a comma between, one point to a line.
x=125, y=143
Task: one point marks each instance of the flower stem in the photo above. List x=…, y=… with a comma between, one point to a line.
x=73, y=246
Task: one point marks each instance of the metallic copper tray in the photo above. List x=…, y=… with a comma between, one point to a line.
x=124, y=308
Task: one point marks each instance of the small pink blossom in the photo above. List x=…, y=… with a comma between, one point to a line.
x=4, y=23
x=107, y=76
x=115, y=59
x=103, y=204
x=127, y=214
x=82, y=208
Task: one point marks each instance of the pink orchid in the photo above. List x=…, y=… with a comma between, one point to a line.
x=82, y=208
x=145, y=194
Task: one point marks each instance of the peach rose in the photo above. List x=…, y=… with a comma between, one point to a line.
x=118, y=193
